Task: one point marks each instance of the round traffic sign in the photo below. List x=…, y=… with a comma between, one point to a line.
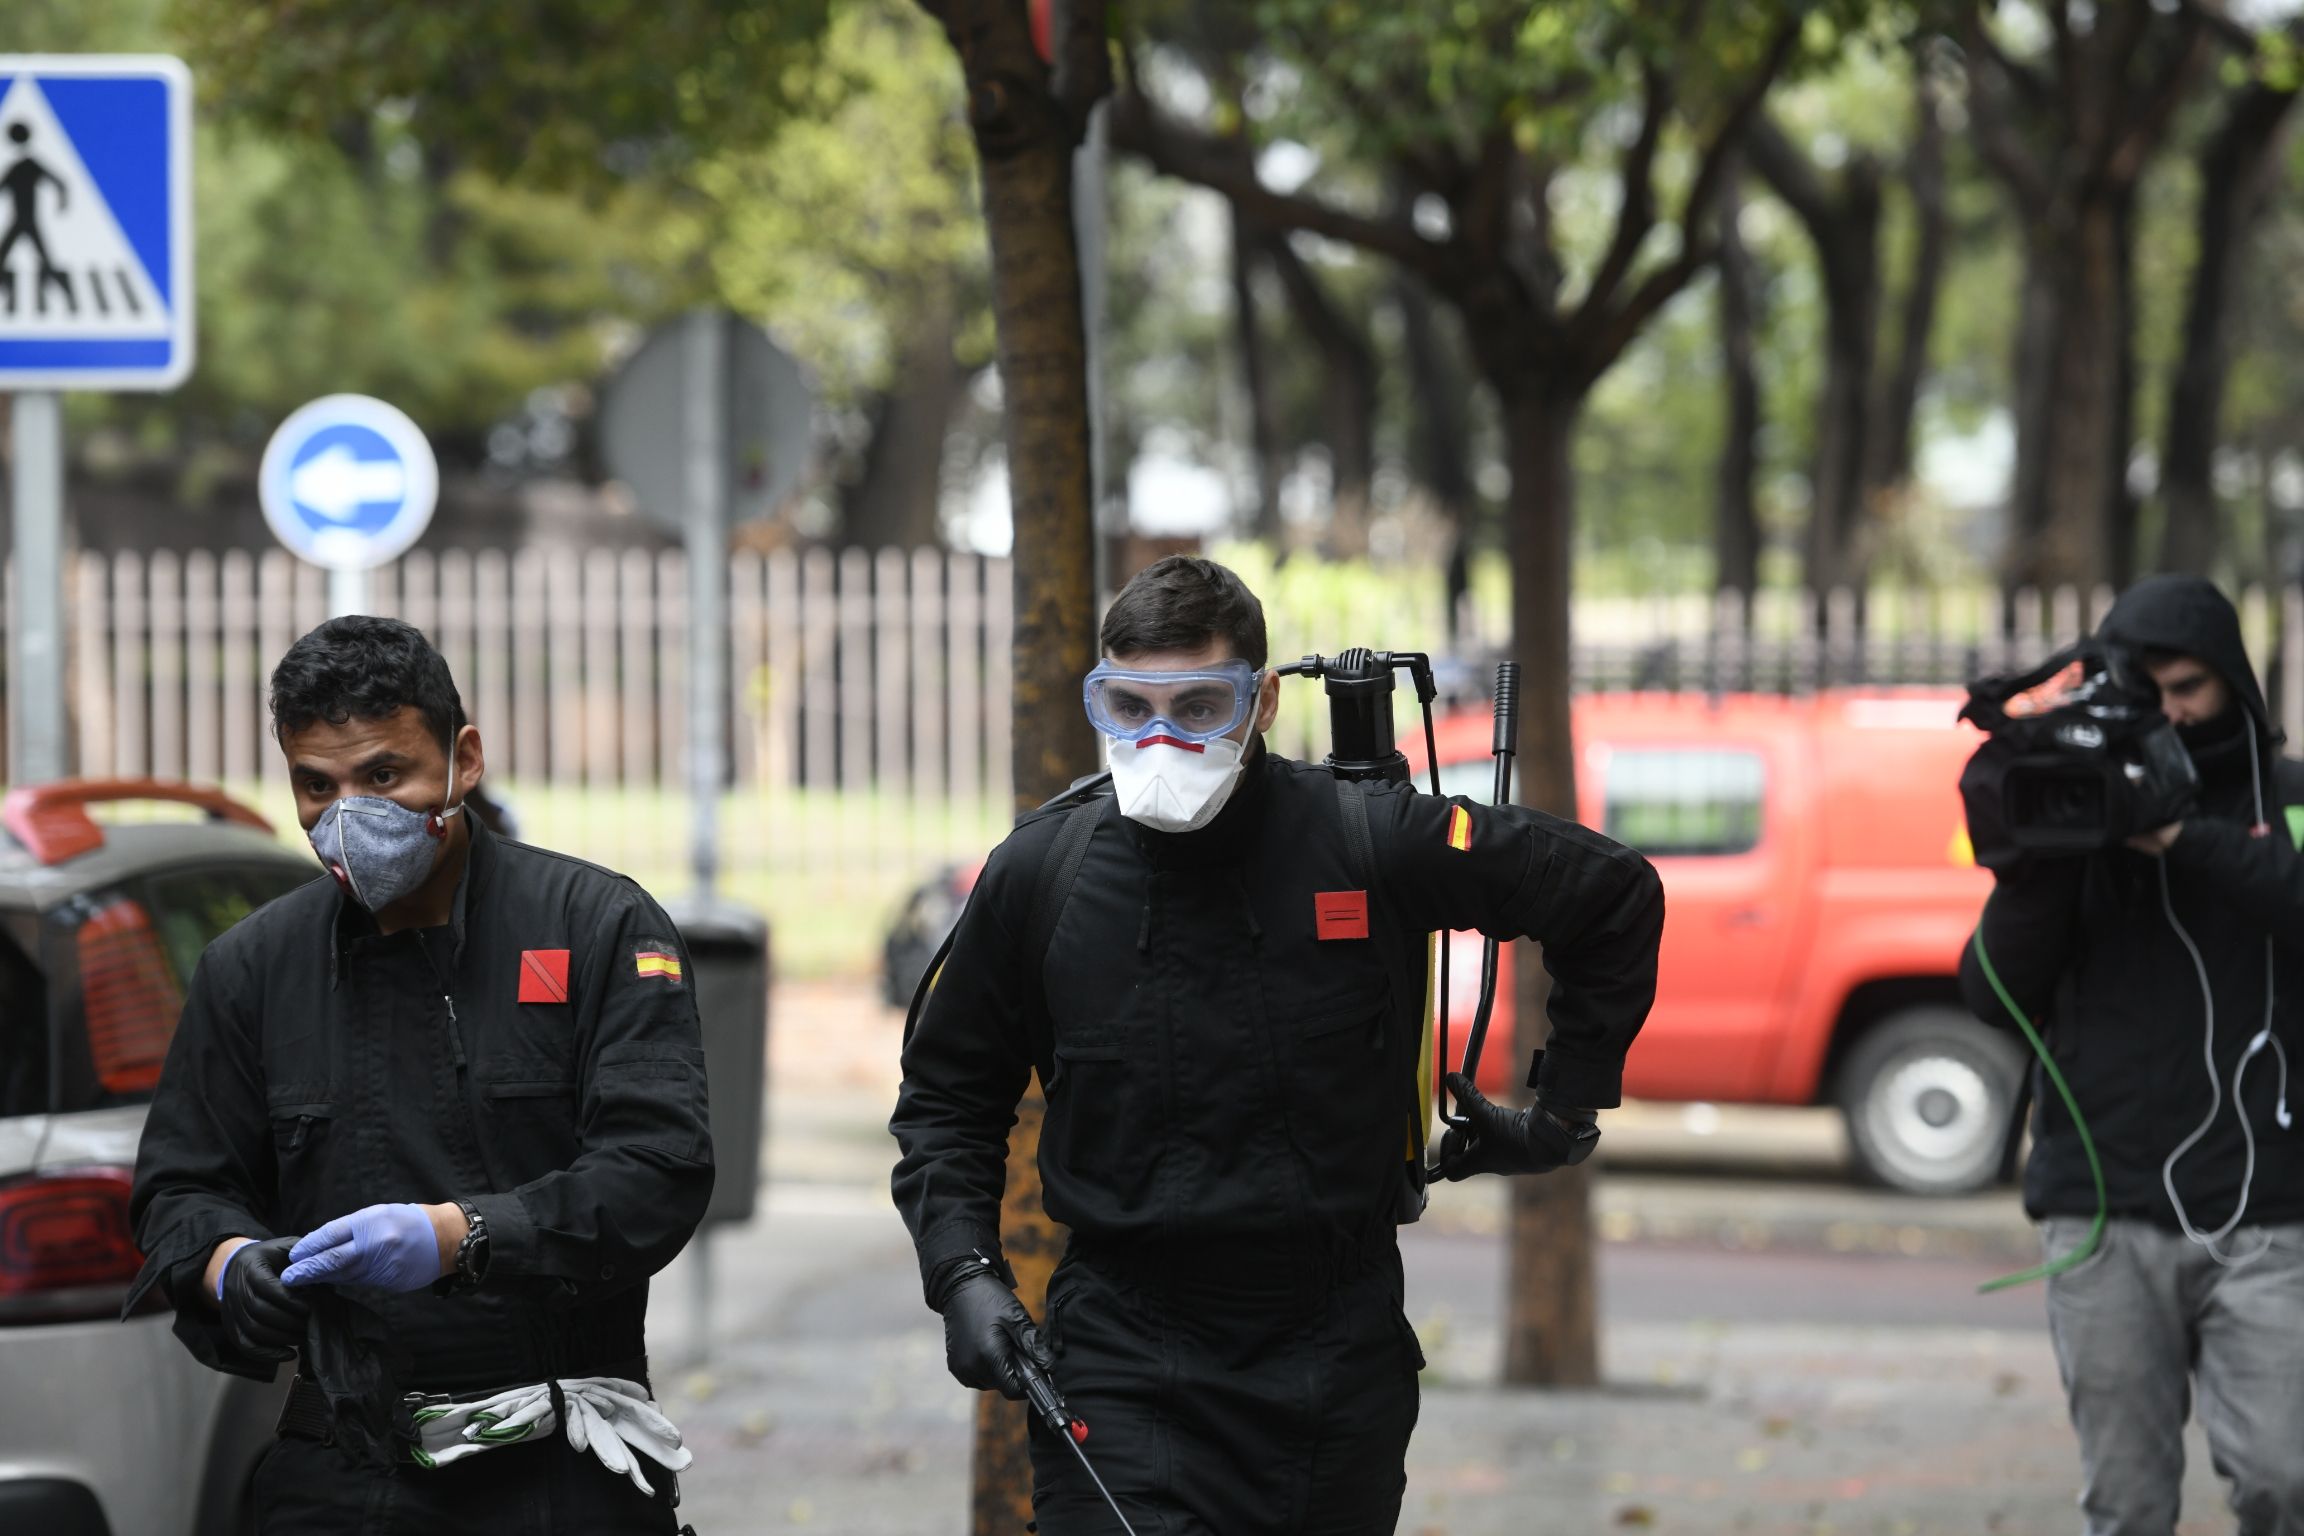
x=348, y=482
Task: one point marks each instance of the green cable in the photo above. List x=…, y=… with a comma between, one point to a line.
x=2087, y=1142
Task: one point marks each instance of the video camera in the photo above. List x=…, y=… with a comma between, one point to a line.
x=2081, y=757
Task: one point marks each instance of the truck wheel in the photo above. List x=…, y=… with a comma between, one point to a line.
x=1929, y=1095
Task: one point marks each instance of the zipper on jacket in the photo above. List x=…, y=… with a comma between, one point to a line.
x=303, y=1130
x=455, y=1034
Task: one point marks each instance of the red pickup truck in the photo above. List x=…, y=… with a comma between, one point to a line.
x=1819, y=887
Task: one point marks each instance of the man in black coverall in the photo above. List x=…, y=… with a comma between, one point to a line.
x=1226, y=1014
x=2185, y=1094
x=434, y=1122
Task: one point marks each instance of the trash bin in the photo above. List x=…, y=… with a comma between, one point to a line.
x=728, y=946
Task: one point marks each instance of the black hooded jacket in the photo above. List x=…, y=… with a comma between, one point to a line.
x=2086, y=948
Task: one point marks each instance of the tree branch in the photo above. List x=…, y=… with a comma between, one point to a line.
x=2125, y=154
x=2220, y=25
x=1997, y=140
x=1191, y=155
x=1613, y=328
x=1790, y=174
x=1636, y=211
x=1083, y=72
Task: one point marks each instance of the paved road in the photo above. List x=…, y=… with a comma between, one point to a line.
x=1786, y=1354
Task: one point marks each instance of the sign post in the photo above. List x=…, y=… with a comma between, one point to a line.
x=708, y=425
x=95, y=293
x=348, y=483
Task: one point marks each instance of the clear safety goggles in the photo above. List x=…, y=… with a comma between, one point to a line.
x=1188, y=708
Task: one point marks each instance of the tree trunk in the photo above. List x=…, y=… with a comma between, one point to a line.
x=895, y=503
x=1889, y=445
x=1263, y=433
x=1349, y=386
x=1025, y=138
x=2072, y=355
x=1550, y=1329
x=2233, y=178
x=1440, y=436
x=1848, y=254
x=1735, y=511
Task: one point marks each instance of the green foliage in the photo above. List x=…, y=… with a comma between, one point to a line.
x=861, y=215
x=583, y=90
x=453, y=300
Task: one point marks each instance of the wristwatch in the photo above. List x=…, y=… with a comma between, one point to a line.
x=471, y=1254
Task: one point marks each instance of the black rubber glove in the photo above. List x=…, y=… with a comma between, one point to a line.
x=985, y=1328
x=1531, y=1140
x=262, y=1316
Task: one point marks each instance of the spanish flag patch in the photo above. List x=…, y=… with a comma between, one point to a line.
x=1460, y=829
x=657, y=962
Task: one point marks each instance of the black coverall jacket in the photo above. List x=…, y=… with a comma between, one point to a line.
x=320, y=1066
x=1229, y=1100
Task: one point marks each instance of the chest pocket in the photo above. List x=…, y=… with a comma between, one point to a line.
x=530, y=1122
x=303, y=1135
x=1343, y=1063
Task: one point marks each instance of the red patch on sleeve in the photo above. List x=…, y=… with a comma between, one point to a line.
x=543, y=975
x=1341, y=914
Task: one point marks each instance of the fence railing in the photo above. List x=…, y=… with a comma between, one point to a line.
x=869, y=694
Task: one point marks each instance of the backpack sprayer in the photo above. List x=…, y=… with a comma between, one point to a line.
x=1362, y=745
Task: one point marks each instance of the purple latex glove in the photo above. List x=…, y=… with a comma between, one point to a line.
x=391, y=1247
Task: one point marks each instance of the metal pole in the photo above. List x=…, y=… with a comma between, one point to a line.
x=347, y=592
x=700, y=1295
x=36, y=691
x=704, y=427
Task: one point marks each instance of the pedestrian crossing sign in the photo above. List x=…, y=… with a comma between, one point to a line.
x=95, y=222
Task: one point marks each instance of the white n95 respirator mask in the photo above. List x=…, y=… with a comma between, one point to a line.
x=1171, y=787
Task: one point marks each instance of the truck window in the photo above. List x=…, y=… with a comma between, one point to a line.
x=1685, y=801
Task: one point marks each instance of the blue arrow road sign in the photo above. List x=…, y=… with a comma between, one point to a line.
x=95, y=222
x=348, y=482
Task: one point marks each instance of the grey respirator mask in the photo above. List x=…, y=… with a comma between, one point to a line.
x=379, y=850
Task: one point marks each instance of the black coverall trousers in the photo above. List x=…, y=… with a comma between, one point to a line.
x=305, y=1488
x=1226, y=1396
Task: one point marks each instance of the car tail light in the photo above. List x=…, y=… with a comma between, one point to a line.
x=66, y=1253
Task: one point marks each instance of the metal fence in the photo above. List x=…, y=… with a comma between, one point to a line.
x=869, y=690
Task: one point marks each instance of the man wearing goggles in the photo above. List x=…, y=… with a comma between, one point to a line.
x=1193, y=714
x=1218, y=973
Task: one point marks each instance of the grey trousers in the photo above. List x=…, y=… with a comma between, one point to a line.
x=2151, y=1318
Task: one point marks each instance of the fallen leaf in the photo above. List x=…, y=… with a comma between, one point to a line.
x=1636, y=1515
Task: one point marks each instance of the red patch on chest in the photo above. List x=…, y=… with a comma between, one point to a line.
x=1341, y=914
x=543, y=975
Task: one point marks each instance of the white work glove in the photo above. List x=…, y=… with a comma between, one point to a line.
x=605, y=1415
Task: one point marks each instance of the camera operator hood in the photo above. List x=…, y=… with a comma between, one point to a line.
x=2188, y=616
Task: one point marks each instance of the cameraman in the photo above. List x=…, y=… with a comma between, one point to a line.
x=2163, y=973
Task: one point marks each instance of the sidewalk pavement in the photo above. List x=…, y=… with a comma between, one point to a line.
x=825, y=1407
x=1733, y=1403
